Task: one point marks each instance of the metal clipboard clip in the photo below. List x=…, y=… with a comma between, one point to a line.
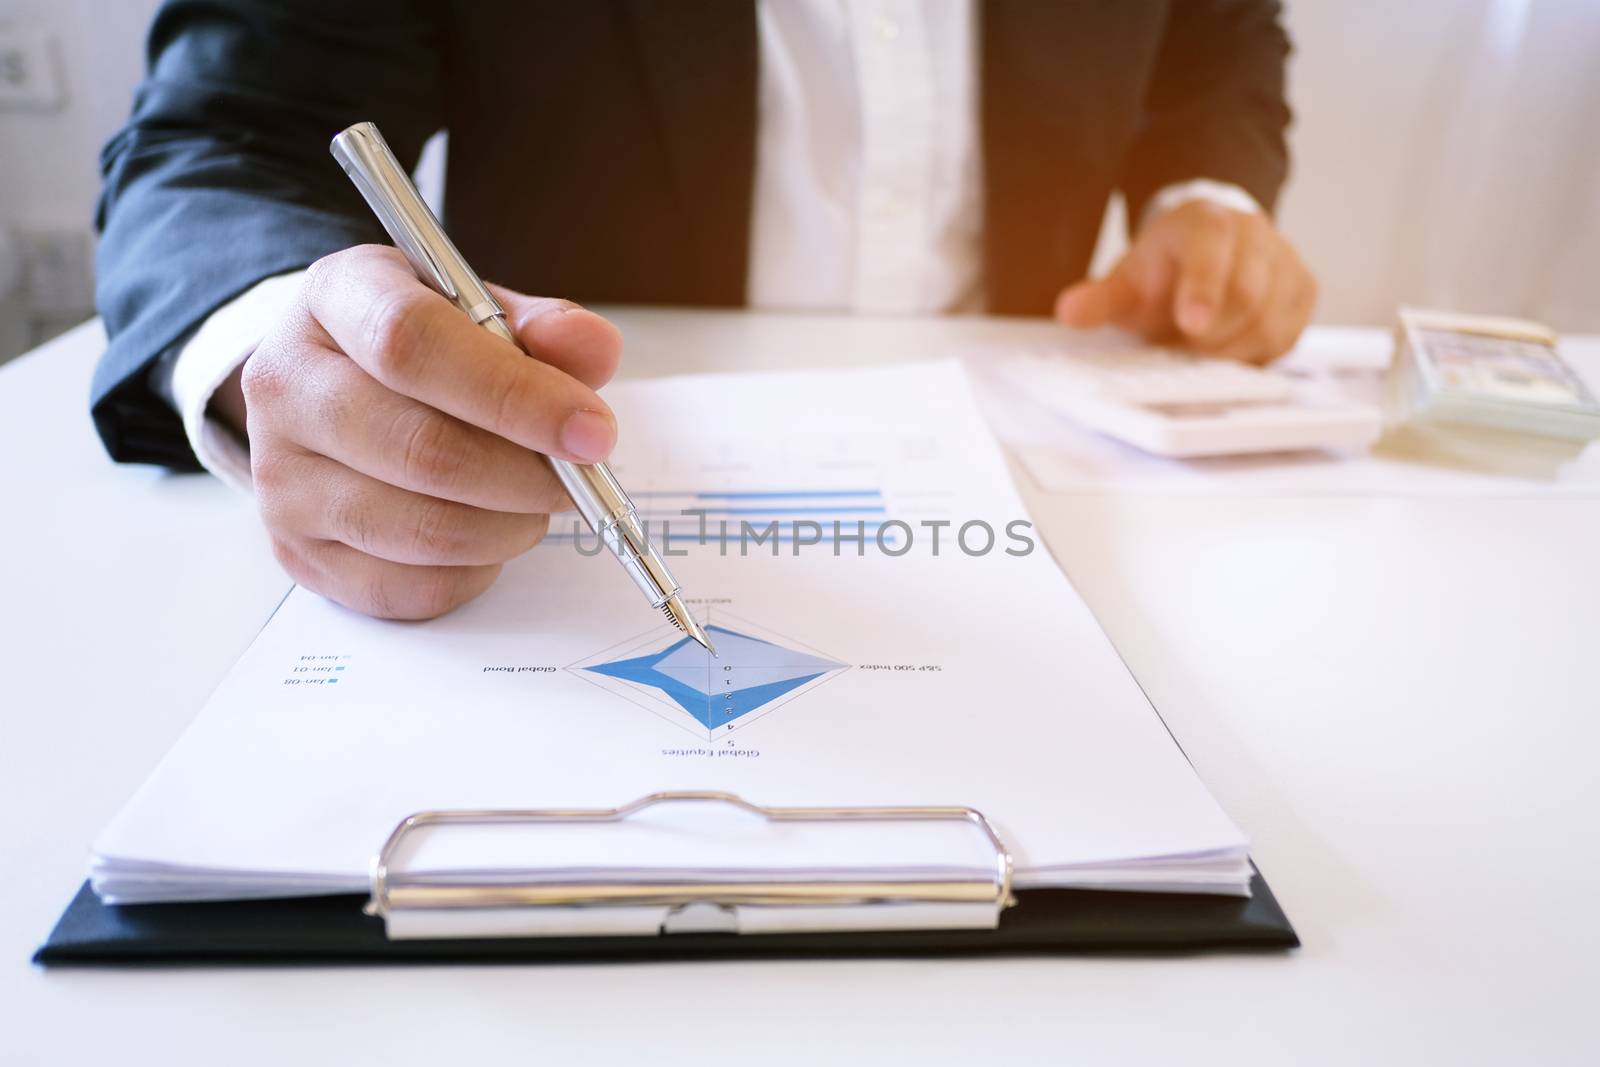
x=446, y=905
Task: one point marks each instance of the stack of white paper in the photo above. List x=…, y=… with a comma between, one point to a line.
x=861, y=665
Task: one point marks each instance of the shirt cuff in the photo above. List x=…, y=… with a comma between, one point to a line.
x=1223, y=194
x=224, y=341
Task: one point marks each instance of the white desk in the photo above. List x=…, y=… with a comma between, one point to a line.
x=1397, y=698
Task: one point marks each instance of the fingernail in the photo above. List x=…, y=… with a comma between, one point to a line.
x=557, y=310
x=588, y=435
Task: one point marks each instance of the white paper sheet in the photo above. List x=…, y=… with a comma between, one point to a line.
x=852, y=674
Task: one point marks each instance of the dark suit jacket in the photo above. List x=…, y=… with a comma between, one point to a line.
x=604, y=150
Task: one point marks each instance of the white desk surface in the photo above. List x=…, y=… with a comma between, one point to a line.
x=1397, y=698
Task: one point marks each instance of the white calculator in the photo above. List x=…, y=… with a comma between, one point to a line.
x=1172, y=404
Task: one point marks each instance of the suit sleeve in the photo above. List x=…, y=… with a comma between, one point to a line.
x=222, y=176
x=1215, y=105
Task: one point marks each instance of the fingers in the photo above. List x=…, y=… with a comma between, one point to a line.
x=378, y=587
x=1265, y=296
x=1245, y=289
x=415, y=342
x=396, y=446
x=312, y=497
x=1281, y=316
x=1204, y=259
x=337, y=410
x=1254, y=265
x=570, y=338
x=1146, y=311
x=1218, y=281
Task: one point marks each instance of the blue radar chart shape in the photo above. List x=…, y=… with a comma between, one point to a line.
x=749, y=676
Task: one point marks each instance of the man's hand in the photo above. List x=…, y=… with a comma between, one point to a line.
x=1206, y=277
x=396, y=446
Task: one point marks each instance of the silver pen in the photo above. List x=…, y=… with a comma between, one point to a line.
x=599, y=497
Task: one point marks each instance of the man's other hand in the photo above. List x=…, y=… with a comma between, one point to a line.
x=1208, y=278
x=396, y=447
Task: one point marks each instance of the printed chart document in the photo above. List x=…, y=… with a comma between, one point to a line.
x=891, y=632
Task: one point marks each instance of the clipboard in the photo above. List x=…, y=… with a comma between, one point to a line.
x=456, y=918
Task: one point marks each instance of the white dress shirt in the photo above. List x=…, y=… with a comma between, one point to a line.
x=868, y=189
x=867, y=194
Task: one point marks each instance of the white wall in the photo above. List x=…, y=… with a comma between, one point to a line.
x=49, y=160
x=1364, y=85
x=1442, y=149
x=1448, y=152
x=51, y=169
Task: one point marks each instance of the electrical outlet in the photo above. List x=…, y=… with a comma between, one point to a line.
x=58, y=276
x=28, y=76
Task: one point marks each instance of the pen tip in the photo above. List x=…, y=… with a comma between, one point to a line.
x=679, y=614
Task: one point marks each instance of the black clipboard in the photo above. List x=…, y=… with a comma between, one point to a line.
x=339, y=929
x=333, y=930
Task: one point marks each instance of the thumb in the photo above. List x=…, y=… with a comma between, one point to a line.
x=564, y=335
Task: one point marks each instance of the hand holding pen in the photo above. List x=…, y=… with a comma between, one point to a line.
x=398, y=450
x=434, y=258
